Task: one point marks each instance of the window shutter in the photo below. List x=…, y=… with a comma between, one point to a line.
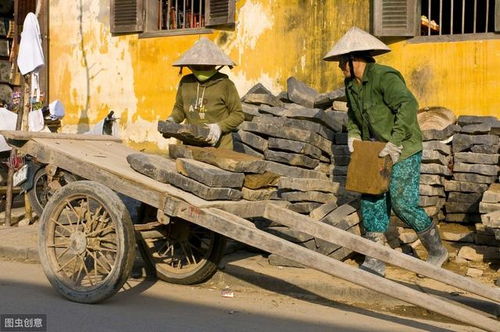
x=497, y=16
x=22, y=8
x=127, y=16
x=219, y=12
x=396, y=17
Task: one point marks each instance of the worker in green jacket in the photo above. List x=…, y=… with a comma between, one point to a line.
x=381, y=108
x=207, y=96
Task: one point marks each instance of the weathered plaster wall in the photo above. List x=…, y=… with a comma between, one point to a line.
x=93, y=72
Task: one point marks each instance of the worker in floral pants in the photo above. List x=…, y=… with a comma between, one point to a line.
x=381, y=108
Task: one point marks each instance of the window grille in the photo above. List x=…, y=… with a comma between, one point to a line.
x=181, y=14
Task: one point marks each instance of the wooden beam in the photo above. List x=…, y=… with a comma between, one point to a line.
x=345, y=239
x=237, y=228
x=24, y=136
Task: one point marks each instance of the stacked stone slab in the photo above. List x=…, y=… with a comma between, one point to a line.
x=297, y=138
x=303, y=139
x=488, y=232
x=475, y=167
x=435, y=170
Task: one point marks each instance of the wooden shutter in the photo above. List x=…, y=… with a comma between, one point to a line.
x=127, y=16
x=396, y=17
x=219, y=12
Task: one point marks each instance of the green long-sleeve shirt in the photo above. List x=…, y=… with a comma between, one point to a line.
x=213, y=101
x=382, y=108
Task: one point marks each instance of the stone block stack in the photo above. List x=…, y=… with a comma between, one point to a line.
x=475, y=166
x=488, y=232
x=298, y=140
x=435, y=170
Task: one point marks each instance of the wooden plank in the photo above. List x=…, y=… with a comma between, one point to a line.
x=105, y=162
x=24, y=136
x=345, y=239
x=242, y=230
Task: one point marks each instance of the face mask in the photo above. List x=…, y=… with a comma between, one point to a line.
x=203, y=75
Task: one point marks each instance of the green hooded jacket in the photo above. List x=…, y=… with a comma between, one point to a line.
x=213, y=101
x=382, y=108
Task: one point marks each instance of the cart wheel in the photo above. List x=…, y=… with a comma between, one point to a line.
x=184, y=253
x=86, y=243
x=40, y=194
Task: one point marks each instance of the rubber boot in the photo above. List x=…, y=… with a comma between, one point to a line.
x=371, y=264
x=436, y=252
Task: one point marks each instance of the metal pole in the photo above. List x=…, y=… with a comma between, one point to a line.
x=451, y=17
x=176, y=14
x=440, y=17
x=184, y=14
x=463, y=15
x=168, y=15
x=429, y=17
x=475, y=16
x=487, y=15
x=192, y=14
x=202, y=13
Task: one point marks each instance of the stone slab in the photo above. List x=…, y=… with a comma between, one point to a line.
x=426, y=190
x=187, y=133
x=463, y=217
x=340, y=150
x=492, y=195
x=471, y=177
x=431, y=179
x=260, y=194
x=259, y=181
x=488, y=170
x=304, y=207
x=437, y=146
x=308, y=196
x=292, y=171
x=209, y=175
x=463, y=142
x=301, y=93
x=262, y=98
x=252, y=140
x=285, y=117
x=201, y=190
x=325, y=100
x=290, y=183
x=341, y=160
x=333, y=120
x=250, y=111
x=293, y=159
x=243, y=148
x=460, y=186
x=476, y=158
x=479, y=253
x=488, y=207
x=430, y=157
x=464, y=120
x=342, y=213
x=476, y=129
x=482, y=148
x=153, y=166
x=226, y=159
x=322, y=211
x=289, y=133
x=435, y=169
x=440, y=135
x=468, y=198
x=294, y=146
x=462, y=207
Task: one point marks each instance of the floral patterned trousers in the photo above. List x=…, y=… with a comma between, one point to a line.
x=402, y=197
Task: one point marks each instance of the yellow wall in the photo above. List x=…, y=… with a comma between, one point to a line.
x=92, y=72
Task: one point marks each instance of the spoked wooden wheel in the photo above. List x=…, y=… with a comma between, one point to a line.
x=184, y=253
x=86, y=243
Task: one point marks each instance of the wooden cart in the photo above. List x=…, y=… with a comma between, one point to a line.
x=87, y=240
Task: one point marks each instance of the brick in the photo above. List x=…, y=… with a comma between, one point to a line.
x=426, y=190
x=201, y=190
x=435, y=169
x=437, y=146
x=431, y=179
x=436, y=157
x=476, y=158
x=462, y=142
x=252, y=140
x=452, y=185
x=187, y=133
x=243, y=148
x=484, y=148
x=293, y=159
x=309, y=196
x=440, y=135
x=476, y=178
x=292, y=171
x=259, y=181
x=259, y=194
x=488, y=170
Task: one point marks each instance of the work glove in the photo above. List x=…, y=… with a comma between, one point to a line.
x=391, y=150
x=350, y=143
x=214, y=134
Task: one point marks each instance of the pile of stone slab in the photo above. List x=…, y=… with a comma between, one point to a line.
x=490, y=216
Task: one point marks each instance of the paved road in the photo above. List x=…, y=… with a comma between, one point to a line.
x=158, y=306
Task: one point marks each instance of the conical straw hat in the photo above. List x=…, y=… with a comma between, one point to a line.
x=204, y=52
x=356, y=40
